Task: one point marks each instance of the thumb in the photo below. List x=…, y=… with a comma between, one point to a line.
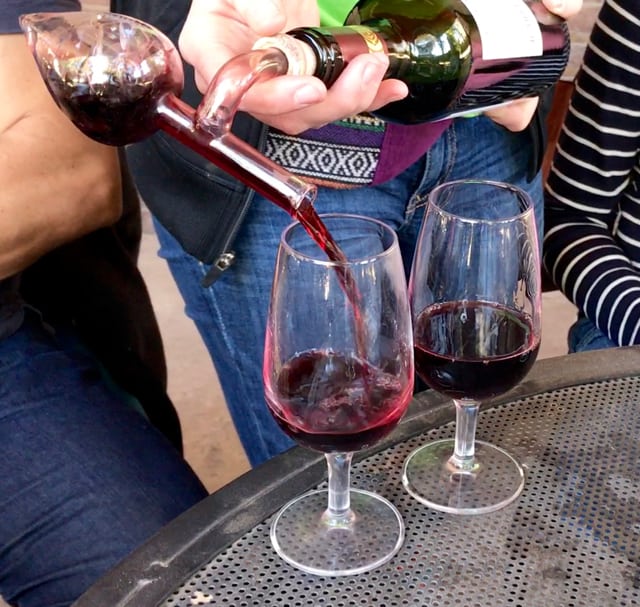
x=564, y=8
x=266, y=17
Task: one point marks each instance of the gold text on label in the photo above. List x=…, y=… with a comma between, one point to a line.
x=372, y=40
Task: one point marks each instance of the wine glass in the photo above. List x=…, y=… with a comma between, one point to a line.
x=476, y=306
x=338, y=375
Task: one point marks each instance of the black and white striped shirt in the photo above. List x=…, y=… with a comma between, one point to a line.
x=592, y=198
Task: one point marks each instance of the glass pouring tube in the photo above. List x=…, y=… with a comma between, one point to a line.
x=119, y=80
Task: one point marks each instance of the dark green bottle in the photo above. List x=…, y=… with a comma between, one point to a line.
x=456, y=56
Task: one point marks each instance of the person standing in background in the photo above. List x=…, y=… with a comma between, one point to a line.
x=91, y=461
x=592, y=197
x=215, y=231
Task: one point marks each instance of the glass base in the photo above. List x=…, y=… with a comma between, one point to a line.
x=494, y=482
x=304, y=537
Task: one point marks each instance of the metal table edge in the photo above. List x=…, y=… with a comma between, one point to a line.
x=152, y=572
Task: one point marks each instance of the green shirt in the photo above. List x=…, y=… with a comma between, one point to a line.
x=334, y=12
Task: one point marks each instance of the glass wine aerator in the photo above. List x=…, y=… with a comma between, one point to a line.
x=119, y=79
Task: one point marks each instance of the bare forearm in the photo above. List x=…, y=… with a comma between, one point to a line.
x=57, y=185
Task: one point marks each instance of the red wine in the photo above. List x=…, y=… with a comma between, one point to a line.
x=112, y=114
x=331, y=403
x=473, y=350
x=118, y=116
x=204, y=143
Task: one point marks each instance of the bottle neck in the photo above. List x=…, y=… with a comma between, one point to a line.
x=324, y=52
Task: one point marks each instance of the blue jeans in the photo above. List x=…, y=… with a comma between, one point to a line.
x=584, y=335
x=231, y=314
x=84, y=479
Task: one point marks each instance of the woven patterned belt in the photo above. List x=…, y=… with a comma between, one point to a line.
x=343, y=154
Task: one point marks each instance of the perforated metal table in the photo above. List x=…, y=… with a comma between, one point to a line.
x=571, y=539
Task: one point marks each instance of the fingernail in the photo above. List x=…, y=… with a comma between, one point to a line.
x=307, y=95
x=557, y=6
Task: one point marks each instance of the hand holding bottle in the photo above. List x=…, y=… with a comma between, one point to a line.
x=217, y=30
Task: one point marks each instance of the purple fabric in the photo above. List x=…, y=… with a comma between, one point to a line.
x=400, y=145
x=351, y=135
x=403, y=145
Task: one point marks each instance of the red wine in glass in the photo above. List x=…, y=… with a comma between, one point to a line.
x=329, y=398
x=332, y=403
x=450, y=359
x=476, y=305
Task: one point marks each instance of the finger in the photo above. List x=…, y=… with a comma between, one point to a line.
x=269, y=17
x=206, y=58
x=516, y=115
x=283, y=95
x=214, y=32
x=564, y=8
x=389, y=91
x=265, y=18
x=354, y=89
x=315, y=116
x=310, y=118
x=357, y=89
x=360, y=88
x=208, y=40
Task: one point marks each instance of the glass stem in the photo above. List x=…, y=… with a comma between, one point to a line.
x=466, y=423
x=339, y=503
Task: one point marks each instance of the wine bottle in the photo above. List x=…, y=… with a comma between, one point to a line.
x=456, y=56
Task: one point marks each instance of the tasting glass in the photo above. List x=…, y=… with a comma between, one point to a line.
x=338, y=376
x=476, y=305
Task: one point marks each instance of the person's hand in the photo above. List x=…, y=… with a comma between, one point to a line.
x=217, y=30
x=517, y=115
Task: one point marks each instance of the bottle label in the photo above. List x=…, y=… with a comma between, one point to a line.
x=507, y=28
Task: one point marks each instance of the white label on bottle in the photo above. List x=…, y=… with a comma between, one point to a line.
x=508, y=28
